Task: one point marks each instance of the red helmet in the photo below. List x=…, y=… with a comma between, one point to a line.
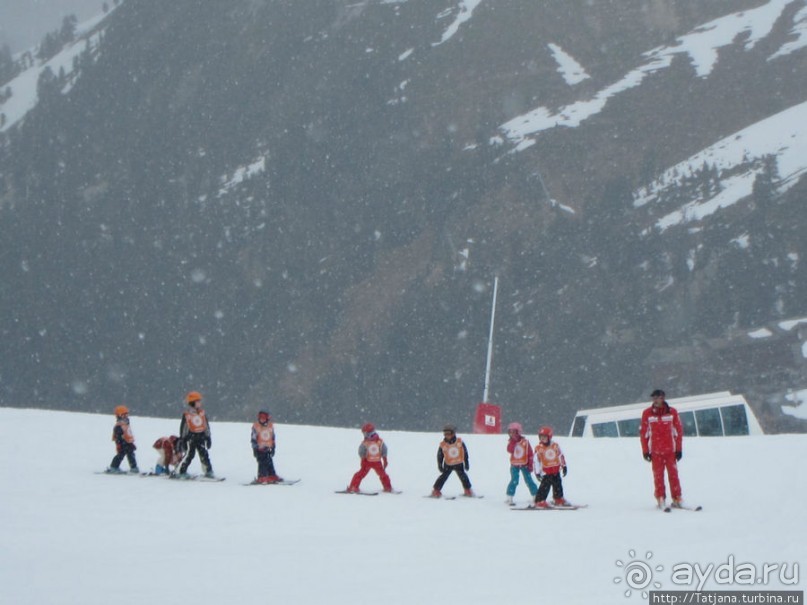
x=264, y=416
x=368, y=427
x=545, y=431
x=121, y=410
x=193, y=397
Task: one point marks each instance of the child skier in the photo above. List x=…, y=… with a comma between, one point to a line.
x=520, y=461
x=124, y=442
x=263, y=447
x=194, y=433
x=551, y=465
x=168, y=454
x=373, y=454
x=452, y=457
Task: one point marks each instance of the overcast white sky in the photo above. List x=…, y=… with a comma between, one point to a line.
x=23, y=23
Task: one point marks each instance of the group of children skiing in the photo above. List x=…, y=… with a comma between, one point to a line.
x=661, y=436
x=194, y=437
x=175, y=454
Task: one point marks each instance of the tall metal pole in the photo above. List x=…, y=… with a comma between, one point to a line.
x=490, y=339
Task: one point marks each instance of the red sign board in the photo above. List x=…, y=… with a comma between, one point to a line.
x=488, y=418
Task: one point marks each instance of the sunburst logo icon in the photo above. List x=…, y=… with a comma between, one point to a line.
x=638, y=574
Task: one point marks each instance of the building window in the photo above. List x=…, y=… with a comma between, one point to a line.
x=605, y=429
x=579, y=426
x=630, y=427
x=688, y=421
x=735, y=421
x=709, y=423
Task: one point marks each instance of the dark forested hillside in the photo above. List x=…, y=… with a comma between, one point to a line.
x=303, y=205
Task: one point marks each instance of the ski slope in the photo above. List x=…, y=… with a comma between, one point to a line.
x=70, y=536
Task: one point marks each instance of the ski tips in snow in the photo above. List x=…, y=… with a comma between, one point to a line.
x=569, y=507
x=197, y=478
x=282, y=482
x=345, y=491
x=694, y=509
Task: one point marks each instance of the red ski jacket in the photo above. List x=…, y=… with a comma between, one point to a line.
x=661, y=431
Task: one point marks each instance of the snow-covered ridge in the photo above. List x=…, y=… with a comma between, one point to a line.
x=568, y=67
x=782, y=136
x=24, y=96
x=701, y=45
x=464, y=12
x=241, y=174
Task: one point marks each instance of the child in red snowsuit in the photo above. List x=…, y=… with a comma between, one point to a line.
x=373, y=454
x=661, y=436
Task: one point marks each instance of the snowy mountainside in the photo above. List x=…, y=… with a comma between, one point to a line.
x=23, y=88
x=71, y=536
x=701, y=46
x=739, y=159
x=313, y=199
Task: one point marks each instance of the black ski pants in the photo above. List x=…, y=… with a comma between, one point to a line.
x=550, y=481
x=266, y=466
x=196, y=442
x=127, y=450
x=447, y=470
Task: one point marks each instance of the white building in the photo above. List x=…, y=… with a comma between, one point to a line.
x=710, y=415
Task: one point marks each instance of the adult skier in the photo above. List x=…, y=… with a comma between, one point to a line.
x=661, y=436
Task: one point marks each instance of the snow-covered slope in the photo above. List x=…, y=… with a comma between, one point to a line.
x=23, y=88
x=701, y=46
x=73, y=537
x=782, y=136
x=738, y=158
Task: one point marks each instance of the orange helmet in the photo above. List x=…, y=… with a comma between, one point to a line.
x=193, y=397
x=121, y=410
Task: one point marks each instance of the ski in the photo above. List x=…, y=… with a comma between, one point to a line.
x=462, y=497
x=197, y=478
x=119, y=474
x=394, y=492
x=572, y=507
x=282, y=482
x=694, y=509
x=344, y=491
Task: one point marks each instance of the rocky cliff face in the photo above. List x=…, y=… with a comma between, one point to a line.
x=302, y=206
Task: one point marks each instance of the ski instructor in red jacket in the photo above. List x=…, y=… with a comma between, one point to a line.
x=661, y=434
